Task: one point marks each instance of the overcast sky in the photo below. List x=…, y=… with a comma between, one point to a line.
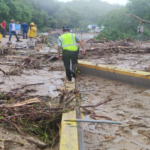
x=122, y=2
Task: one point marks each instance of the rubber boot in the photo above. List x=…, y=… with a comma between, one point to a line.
x=73, y=71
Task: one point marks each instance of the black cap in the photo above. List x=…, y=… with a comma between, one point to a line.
x=66, y=28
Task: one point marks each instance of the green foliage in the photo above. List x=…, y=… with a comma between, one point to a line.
x=4, y=9
x=21, y=11
x=77, y=13
x=54, y=14
x=2, y=95
x=119, y=26
x=114, y=34
x=1, y=117
x=90, y=10
x=140, y=8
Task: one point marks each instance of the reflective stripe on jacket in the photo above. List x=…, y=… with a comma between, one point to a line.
x=68, y=42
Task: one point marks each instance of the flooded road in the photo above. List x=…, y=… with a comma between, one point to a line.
x=50, y=81
x=39, y=78
x=128, y=61
x=128, y=104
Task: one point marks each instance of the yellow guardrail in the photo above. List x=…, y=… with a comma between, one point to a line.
x=124, y=71
x=69, y=131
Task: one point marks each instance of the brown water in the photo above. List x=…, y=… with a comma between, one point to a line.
x=128, y=61
x=51, y=81
x=128, y=105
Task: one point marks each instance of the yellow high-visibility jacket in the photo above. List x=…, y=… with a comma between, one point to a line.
x=68, y=42
x=32, y=32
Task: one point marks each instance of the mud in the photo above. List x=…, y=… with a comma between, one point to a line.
x=128, y=105
x=9, y=135
x=86, y=36
x=129, y=61
x=137, y=59
x=49, y=79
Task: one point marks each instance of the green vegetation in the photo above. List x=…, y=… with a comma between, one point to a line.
x=118, y=26
x=21, y=10
x=90, y=10
x=79, y=14
x=54, y=14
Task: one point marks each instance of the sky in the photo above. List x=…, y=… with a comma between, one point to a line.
x=122, y=2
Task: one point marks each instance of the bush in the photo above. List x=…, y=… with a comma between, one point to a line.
x=115, y=34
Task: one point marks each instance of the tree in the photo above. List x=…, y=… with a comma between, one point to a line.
x=52, y=13
x=118, y=26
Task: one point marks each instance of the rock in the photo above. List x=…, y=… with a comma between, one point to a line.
x=109, y=137
x=121, y=113
x=85, y=98
x=36, y=142
x=135, y=117
x=9, y=43
x=53, y=38
x=147, y=69
x=118, y=139
x=134, y=133
x=146, y=93
x=45, y=34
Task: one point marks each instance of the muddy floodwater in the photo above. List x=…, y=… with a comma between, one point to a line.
x=129, y=104
x=137, y=56
x=24, y=82
x=49, y=81
x=128, y=61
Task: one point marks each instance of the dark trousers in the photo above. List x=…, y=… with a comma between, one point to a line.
x=70, y=56
x=13, y=33
x=25, y=34
x=3, y=32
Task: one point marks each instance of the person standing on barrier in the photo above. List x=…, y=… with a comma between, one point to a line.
x=68, y=43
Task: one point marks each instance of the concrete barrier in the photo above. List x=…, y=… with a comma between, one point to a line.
x=130, y=76
x=71, y=134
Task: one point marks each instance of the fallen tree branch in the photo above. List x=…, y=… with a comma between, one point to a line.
x=72, y=98
x=30, y=101
x=4, y=72
x=12, y=141
x=33, y=114
x=17, y=57
x=105, y=101
x=13, y=125
x=36, y=142
x=27, y=86
x=140, y=19
x=142, y=132
x=94, y=117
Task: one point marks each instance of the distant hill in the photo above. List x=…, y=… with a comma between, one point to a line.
x=54, y=14
x=90, y=10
